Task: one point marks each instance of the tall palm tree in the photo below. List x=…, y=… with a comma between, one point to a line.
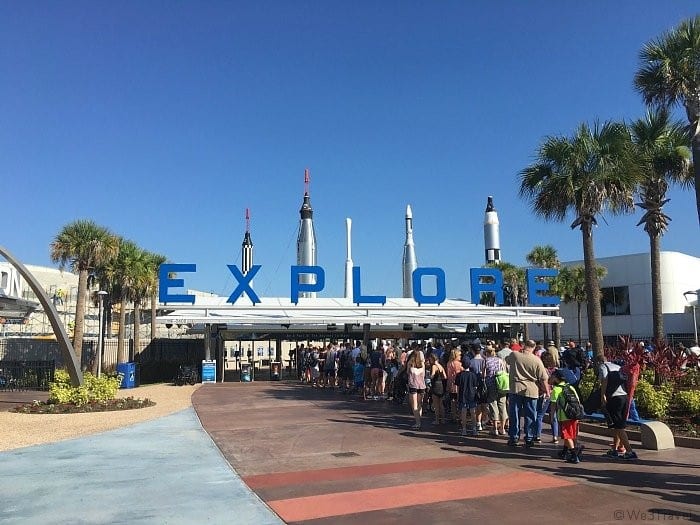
x=570, y=285
x=545, y=256
x=155, y=261
x=584, y=174
x=83, y=246
x=514, y=279
x=141, y=284
x=664, y=157
x=669, y=74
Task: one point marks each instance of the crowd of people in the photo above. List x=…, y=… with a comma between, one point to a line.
x=505, y=389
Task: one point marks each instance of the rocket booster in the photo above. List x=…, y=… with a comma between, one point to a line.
x=409, y=263
x=247, y=247
x=348, y=259
x=306, y=241
x=492, y=242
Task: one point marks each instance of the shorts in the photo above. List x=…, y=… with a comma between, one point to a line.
x=467, y=405
x=568, y=429
x=416, y=390
x=617, y=411
x=314, y=373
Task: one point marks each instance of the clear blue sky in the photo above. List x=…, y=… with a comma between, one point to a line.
x=164, y=120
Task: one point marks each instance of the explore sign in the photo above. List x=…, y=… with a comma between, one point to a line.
x=482, y=280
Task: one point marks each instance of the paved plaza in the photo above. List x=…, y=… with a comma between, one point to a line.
x=317, y=456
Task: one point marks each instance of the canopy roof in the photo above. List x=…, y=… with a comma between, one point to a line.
x=324, y=311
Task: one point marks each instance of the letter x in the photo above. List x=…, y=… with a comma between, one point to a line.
x=244, y=283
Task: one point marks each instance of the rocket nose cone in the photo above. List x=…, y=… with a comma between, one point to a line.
x=409, y=213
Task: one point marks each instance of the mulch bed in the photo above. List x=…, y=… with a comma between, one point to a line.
x=41, y=407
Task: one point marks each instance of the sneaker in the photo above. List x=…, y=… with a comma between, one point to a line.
x=573, y=458
x=562, y=453
x=494, y=432
x=479, y=427
x=612, y=453
x=537, y=440
x=555, y=441
x=630, y=454
x=512, y=443
x=463, y=432
x=529, y=444
x=475, y=432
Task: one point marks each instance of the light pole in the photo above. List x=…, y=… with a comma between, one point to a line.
x=100, y=295
x=693, y=305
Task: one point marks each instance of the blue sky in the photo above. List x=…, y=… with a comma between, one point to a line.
x=164, y=120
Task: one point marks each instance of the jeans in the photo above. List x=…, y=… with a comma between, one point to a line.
x=634, y=415
x=522, y=406
x=542, y=408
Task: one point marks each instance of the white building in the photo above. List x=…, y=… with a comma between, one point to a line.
x=626, y=296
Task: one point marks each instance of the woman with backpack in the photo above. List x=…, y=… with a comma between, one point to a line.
x=438, y=376
x=497, y=382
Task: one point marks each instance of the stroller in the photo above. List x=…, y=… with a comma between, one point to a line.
x=400, y=389
x=186, y=374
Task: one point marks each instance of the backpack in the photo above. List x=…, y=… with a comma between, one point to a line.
x=569, y=403
x=503, y=382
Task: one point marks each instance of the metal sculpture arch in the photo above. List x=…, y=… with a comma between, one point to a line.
x=59, y=331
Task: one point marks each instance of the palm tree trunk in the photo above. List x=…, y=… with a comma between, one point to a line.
x=694, y=118
x=557, y=334
x=79, y=327
x=578, y=313
x=122, y=354
x=595, y=320
x=137, y=328
x=154, y=299
x=656, y=306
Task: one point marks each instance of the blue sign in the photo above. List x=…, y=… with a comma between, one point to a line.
x=208, y=371
x=481, y=280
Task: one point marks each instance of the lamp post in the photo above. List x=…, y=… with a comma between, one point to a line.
x=693, y=305
x=100, y=338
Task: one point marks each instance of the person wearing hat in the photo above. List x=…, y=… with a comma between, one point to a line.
x=552, y=350
x=568, y=428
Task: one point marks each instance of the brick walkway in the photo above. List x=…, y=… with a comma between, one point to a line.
x=316, y=456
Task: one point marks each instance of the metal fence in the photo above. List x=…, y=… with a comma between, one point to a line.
x=26, y=375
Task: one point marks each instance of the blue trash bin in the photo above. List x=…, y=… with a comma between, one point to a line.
x=129, y=372
x=246, y=373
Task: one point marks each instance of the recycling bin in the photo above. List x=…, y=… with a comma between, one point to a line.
x=128, y=370
x=246, y=373
x=275, y=370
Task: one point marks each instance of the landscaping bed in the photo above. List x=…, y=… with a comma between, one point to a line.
x=47, y=407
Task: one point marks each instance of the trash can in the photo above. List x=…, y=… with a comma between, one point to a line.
x=275, y=370
x=246, y=373
x=128, y=370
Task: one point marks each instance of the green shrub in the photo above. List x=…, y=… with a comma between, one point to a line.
x=94, y=389
x=588, y=382
x=688, y=401
x=653, y=400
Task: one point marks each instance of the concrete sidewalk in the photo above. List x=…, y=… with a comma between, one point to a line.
x=165, y=471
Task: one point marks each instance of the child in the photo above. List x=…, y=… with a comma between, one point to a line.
x=359, y=375
x=467, y=382
x=567, y=427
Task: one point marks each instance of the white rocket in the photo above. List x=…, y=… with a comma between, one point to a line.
x=247, y=248
x=492, y=242
x=306, y=241
x=409, y=263
x=348, y=259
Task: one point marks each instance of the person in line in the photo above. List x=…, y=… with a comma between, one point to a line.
x=438, y=376
x=614, y=398
x=454, y=367
x=568, y=427
x=359, y=375
x=467, y=381
x=527, y=377
x=497, y=407
x=544, y=403
x=415, y=367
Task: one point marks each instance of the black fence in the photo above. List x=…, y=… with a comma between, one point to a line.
x=26, y=375
x=161, y=359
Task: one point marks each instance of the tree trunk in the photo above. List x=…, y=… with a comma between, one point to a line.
x=557, y=334
x=79, y=326
x=154, y=302
x=137, y=328
x=595, y=320
x=122, y=354
x=656, y=306
x=692, y=108
x=545, y=332
x=578, y=308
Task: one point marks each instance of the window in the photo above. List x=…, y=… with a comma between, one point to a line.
x=615, y=300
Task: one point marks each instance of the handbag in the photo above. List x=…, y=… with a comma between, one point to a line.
x=502, y=382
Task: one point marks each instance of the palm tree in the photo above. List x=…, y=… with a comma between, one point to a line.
x=155, y=261
x=545, y=256
x=514, y=279
x=584, y=174
x=664, y=157
x=83, y=246
x=669, y=74
x=570, y=285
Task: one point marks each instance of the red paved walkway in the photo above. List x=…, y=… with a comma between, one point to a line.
x=319, y=457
